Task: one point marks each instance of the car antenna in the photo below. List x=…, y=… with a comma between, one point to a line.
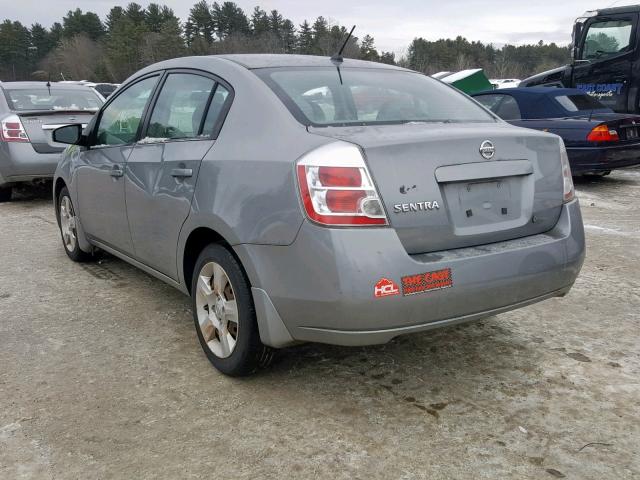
x=49, y=84
x=338, y=56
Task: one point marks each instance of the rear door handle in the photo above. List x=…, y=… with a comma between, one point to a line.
x=117, y=171
x=182, y=172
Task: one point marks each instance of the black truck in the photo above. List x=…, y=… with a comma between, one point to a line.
x=605, y=59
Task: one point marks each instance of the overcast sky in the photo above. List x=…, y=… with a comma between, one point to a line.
x=393, y=23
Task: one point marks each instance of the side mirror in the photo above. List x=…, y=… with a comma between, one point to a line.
x=69, y=134
x=576, y=38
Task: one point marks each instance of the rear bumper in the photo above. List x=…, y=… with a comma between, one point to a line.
x=321, y=288
x=19, y=162
x=591, y=159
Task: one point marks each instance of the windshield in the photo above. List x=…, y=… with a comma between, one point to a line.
x=354, y=96
x=22, y=99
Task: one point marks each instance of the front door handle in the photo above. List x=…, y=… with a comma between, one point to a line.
x=182, y=172
x=116, y=171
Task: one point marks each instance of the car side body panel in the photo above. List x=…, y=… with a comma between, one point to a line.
x=312, y=283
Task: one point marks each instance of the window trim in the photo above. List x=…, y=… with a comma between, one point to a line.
x=612, y=18
x=142, y=132
x=94, y=132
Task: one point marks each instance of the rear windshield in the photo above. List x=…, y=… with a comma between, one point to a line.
x=353, y=96
x=579, y=103
x=21, y=99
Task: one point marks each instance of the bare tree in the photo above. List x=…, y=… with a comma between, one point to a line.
x=76, y=58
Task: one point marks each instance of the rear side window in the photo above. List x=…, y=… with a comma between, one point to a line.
x=181, y=106
x=509, y=109
x=119, y=121
x=489, y=101
x=216, y=111
x=578, y=103
x=505, y=106
x=325, y=96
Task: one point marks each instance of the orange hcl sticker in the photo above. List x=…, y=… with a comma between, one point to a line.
x=385, y=288
x=425, y=282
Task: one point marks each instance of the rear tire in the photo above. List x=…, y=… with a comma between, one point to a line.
x=67, y=221
x=224, y=314
x=5, y=194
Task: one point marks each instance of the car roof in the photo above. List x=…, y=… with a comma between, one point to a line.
x=532, y=91
x=269, y=60
x=540, y=102
x=613, y=10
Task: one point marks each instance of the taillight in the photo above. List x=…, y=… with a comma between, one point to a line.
x=568, y=192
x=11, y=130
x=603, y=133
x=337, y=189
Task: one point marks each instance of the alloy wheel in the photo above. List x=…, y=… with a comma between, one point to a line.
x=68, y=224
x=217, y=310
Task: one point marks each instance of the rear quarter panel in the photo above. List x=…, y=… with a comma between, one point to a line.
x=246, y=188
x=572, y=132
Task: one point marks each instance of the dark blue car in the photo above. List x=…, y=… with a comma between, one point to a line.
x=597, y=139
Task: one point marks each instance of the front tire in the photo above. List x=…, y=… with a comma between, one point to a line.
x=67, y=221
x=224, y=314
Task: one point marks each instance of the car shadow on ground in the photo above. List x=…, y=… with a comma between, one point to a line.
x=33, y=192
x=622, y=177
x=426, y=371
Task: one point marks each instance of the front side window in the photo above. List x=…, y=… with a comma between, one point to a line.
x=180, y=107
x=327, y=96
x=119, y=122
x=53, y=99
x=605, y=39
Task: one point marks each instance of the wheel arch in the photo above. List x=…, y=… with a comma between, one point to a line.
x=196, y=241
x=58, y=185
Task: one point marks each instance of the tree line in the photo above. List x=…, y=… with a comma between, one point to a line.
x=84, y=46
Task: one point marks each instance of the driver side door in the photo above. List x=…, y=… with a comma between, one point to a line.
x=607, y=51
x=99, y=175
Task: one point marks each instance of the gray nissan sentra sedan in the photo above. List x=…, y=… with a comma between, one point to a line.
x=300, y=199
x=29, y=112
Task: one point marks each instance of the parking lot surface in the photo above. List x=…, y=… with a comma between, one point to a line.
x=101, y=376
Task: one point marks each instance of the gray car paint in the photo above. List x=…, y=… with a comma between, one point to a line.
x=38, y=158
x=312, y=283
x=410, y=154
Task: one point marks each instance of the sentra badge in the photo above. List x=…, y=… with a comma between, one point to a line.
x=416, y=207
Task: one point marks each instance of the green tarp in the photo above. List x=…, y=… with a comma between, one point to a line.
x=469, y=81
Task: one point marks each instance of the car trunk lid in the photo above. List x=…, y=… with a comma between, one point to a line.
x=40, y=125
x=441, y=194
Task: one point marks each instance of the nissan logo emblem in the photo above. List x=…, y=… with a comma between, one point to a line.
x=487, y=150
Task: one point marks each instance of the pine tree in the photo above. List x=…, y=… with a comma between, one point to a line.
x=200, y=23
x=76, y=22
x=288, y=34
x=259, y=22
x=368, y=50
x=305, y=39
x=114, y=15
x=135, y=13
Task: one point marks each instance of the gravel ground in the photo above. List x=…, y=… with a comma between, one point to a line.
x=101, y=376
